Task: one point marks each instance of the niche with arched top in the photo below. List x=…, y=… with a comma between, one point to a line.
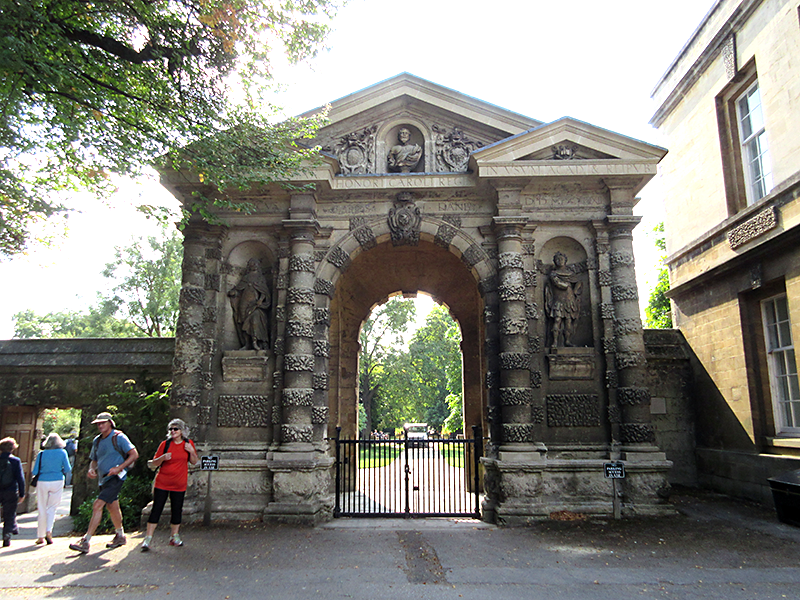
x=239, y=261
x=405, y=149
x=566, y=296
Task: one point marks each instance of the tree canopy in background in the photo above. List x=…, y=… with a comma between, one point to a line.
x=658, y=312
x=381, y=339
x=144, y=301
x=90, y=89
x=420, y=384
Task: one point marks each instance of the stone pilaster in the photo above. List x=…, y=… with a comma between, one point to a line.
x=299, y=464
x=195, y=344
x=633, y=397
x=516, y=396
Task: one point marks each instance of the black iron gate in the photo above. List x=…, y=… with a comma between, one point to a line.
x=408, y=477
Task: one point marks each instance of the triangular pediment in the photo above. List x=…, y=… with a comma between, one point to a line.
x=568, y=139
x=405, y=89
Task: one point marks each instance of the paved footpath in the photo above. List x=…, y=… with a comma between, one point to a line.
x=715, y=548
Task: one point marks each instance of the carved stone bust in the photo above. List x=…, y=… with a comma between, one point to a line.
x=403, y=156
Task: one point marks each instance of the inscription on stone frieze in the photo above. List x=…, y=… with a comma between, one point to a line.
x=566, y=169
x=401, y=181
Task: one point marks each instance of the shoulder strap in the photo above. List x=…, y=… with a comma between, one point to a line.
x=166, y=446
x=114, y=441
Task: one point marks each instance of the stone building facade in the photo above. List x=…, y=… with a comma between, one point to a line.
x=522, y=229
x=728, y=106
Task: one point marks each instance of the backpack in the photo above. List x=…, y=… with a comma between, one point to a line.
x=7, y=478
x=114, y=442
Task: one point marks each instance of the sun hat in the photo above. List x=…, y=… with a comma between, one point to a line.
x=104, y=416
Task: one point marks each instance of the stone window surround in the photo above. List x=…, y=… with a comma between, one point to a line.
x=733, y=167
x=784, y=351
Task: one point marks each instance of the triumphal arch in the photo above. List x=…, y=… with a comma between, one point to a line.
x=522, y=229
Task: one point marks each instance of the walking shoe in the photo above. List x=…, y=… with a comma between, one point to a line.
x=15, y=531
x=80, y=546
x=119, y=540
x=6, y=541
x=175, y=540
x=146, y=544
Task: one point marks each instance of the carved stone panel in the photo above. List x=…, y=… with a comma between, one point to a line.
x=243, y=411
x=573, y=410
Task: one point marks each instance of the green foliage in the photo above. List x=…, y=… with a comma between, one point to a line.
x=99, y=321
x=134, y=496
x=61, y=420
x=94, y=88
x=145, y=301
x=150, y=282
x=378, y=455
x=422, y=384
x=381, y=339
x=142, y=414
x=658, y=312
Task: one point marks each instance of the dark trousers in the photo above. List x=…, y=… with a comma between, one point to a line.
x=175, y=505
x=9, y=498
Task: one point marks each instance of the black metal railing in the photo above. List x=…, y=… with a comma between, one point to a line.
x=408, y=477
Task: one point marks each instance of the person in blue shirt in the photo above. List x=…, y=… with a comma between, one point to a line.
x=12, y=487
x=52, y=466
x=111, y=455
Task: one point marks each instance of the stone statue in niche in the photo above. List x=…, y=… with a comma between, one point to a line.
x=562, y=296
x=251, y=300
x=405, y=156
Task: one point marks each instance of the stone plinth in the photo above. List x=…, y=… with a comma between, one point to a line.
x=301, y=487
x=571, y=363
x=520, y=493
x=244, y=365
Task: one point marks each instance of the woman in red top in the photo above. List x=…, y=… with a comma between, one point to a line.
x=173, y=457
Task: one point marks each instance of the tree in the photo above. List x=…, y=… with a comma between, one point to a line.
x=381, y=338
x=145, y=301
x=435, y=352
x=88, y=89
x=149, y=291
x=658, y=311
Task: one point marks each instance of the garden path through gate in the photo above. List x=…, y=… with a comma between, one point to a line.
x=408, y=477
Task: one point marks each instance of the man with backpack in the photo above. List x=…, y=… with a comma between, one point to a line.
x=111, y=455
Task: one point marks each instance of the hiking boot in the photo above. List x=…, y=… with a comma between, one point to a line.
x=175, y=540
x=119, y=540
x=80, y=546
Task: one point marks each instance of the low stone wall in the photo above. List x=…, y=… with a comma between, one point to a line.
x=742, y=474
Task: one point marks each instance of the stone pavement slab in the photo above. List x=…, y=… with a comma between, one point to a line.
x=715, y=548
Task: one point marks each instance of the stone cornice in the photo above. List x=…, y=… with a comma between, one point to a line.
x=693, y=71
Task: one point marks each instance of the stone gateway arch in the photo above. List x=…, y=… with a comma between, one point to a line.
x=522, y=229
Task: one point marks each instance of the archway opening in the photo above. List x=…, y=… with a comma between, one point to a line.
x=410, y=370
x=386, y=271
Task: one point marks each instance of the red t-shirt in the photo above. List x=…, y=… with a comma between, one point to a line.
x=174, y=473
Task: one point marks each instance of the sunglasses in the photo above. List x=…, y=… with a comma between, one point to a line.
x=174, y=428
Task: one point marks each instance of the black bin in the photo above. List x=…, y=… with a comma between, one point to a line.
x=786, y=494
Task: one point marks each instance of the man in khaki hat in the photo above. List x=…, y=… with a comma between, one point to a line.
x=112, y=453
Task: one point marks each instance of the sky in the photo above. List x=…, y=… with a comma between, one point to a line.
x=596, y=61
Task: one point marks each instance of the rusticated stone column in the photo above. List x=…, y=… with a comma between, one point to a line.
x=195, y=344
x=636, y=432
x=515, y=378
x=299, y=464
